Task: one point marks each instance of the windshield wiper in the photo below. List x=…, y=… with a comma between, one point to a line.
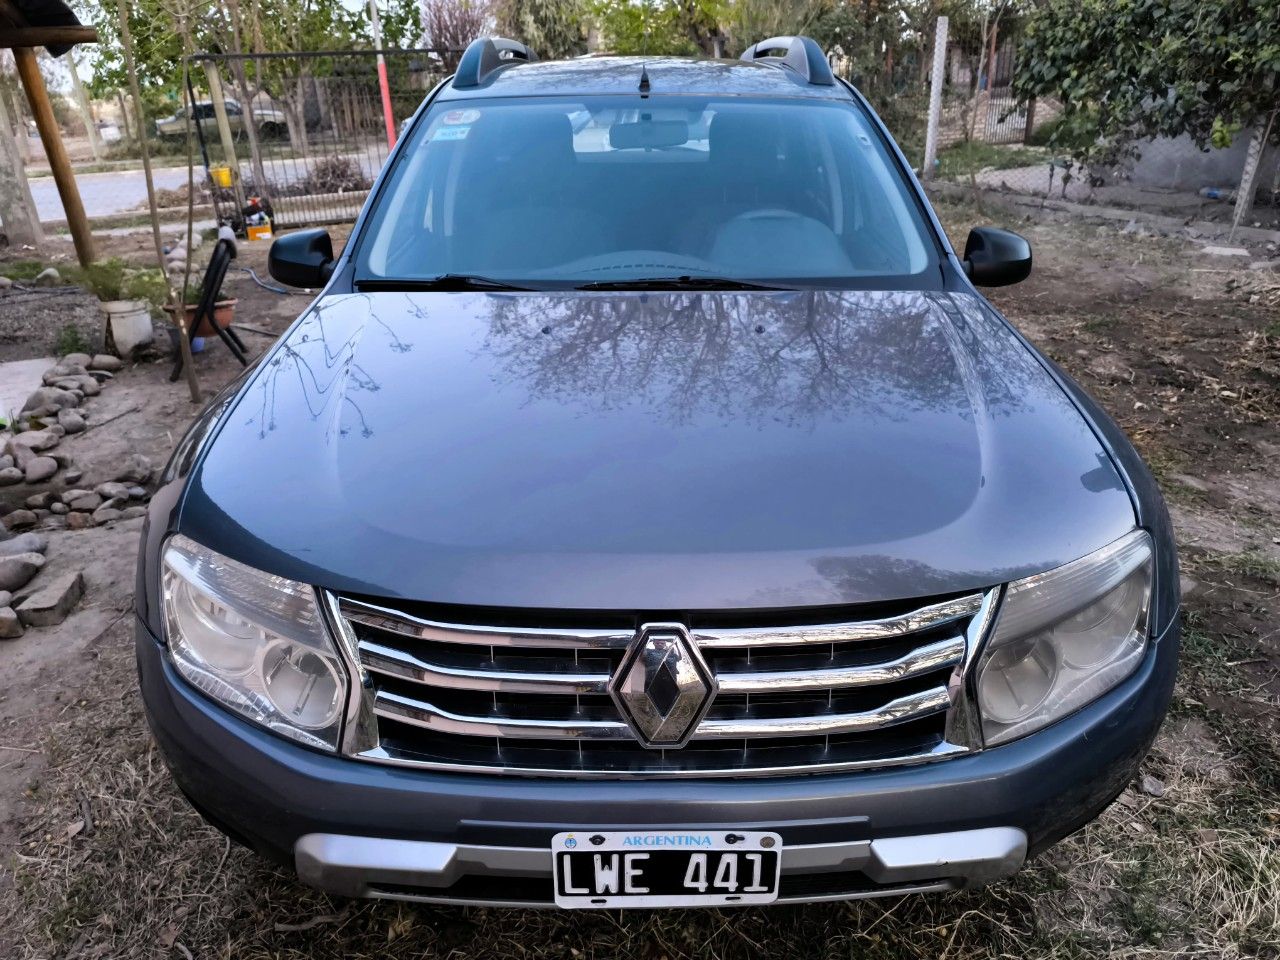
x=680, y=283
x=446, y=283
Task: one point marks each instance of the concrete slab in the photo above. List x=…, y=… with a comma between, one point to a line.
x=18, y=378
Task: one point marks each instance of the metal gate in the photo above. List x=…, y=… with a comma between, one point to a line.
x=303, y=133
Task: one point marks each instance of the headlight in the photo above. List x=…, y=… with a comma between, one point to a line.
x=1064, y=638
x=254, y=642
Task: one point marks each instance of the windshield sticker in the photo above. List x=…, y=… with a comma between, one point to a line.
x=460, y=116
x=450, y=133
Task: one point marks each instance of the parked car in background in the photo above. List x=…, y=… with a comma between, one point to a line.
x=650, y=511
x=108, y=131
x=270, y=121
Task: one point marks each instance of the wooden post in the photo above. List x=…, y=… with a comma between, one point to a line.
x=184, y=342
x=17, y=209
x=224, y=127
x=91, y=131
x=51, y=137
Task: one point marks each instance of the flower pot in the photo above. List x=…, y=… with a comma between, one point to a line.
x=224, y=313
x=130, y=324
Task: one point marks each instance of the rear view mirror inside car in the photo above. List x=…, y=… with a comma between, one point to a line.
x=648, y=135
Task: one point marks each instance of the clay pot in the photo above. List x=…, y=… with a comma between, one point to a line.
x=224, y=313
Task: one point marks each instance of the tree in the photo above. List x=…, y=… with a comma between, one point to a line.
x=661, y=27
x=749, y=21
x=553, y=28
x=452, y=24
x=1147, y=68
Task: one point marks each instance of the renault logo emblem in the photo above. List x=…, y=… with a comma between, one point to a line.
x=663, y=688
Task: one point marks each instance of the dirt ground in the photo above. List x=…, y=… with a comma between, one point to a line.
x=102, y=858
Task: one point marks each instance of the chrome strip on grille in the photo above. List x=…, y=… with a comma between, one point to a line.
x=535, y=700
x=410, y=626
x=924, y=618
x=933, y=615
x=398, y=663
x=423, y=714
x=944, y=653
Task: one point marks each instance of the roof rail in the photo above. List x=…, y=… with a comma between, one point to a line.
x=799, y=54
x=486, y=56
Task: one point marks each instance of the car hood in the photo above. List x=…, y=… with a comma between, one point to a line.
x=654, y=451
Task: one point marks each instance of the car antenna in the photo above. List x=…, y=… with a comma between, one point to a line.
x=644, y=51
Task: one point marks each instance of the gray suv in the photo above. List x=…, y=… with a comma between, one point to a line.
x=651, y=512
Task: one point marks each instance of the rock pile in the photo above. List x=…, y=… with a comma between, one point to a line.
x=52, y=412
x=56, y=410
x=21, y=558
x=122, y=498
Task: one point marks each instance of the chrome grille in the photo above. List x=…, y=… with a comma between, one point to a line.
x=515, y=697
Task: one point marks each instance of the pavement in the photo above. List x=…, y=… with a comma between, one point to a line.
x=104, y=194
x=120, y=191
x=18, y=380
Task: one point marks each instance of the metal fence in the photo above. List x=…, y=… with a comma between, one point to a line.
x=307, y=134
x=304, y=133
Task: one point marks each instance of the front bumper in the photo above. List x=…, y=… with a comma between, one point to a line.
x=362, y=829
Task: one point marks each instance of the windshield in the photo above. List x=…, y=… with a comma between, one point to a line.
x=601, y=190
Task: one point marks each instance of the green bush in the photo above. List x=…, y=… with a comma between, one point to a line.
x=1055, y=133
x=70, y=340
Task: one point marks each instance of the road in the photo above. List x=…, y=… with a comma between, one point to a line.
x=104, y=194
x=120, y=191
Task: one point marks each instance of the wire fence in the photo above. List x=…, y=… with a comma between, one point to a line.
x=314, y=133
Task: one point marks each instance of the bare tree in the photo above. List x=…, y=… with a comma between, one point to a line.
x=452, y=24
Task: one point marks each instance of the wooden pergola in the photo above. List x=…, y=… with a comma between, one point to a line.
x=25, y=25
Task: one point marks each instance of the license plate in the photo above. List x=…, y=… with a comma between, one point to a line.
x=665, y=868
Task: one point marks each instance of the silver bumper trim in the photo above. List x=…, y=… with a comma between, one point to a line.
x=381, y=867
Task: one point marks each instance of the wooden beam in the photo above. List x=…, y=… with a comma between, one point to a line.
x=45, y=36
x=59, y=164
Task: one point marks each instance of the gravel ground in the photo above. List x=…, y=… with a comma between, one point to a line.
x=105, y=859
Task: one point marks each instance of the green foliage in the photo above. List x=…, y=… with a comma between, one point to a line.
x=147, y=284
x=659, y=27
x=1056, y=134
x=975, y=155
x=105, y=278
x=267, y=26
x=553, y=28
x=71, y=340
x=1145, y=68
x=21, y=271
x=749, y=21
x=113, y=279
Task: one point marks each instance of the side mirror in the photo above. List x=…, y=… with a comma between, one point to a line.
x=996, y=258
x=302, y=259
